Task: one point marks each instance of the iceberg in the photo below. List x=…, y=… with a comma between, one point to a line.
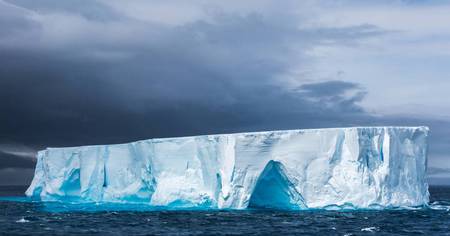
x=363, y=167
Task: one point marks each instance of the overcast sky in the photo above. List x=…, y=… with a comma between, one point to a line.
x=108, y=71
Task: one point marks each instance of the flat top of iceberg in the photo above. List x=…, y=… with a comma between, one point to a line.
x=424, y=128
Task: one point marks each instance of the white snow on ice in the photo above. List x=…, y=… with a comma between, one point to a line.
x=361, y=167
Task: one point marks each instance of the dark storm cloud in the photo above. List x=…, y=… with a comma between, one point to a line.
x=337, y=95
x=201, y=77
x=12, y=161
x=16, y=176
x=76, y=74
x=328, y=88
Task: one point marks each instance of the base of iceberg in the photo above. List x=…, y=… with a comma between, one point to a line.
x=361, y=167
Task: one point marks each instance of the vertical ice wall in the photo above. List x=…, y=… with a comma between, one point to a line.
x=295, y=169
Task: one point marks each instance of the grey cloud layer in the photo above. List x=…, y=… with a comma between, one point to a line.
x=74, y=74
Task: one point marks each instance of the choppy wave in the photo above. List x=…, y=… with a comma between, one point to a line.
x=21, y=215
x=76, y=206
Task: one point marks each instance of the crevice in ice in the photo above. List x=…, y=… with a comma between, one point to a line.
x=219, y=186
x=104, y=177
x=105, y=174
x=274, y=190
x=380, y=142
x=71, y=185
x=337, y=155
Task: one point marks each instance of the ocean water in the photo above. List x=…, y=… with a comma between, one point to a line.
x=20, y=216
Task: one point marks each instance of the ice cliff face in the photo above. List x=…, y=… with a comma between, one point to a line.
x=292, y=169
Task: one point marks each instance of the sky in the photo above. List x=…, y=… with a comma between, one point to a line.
x=85, y=72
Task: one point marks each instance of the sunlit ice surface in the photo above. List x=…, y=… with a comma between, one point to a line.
x=336, y=168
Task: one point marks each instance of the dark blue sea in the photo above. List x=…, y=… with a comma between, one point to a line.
x=20, y=216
